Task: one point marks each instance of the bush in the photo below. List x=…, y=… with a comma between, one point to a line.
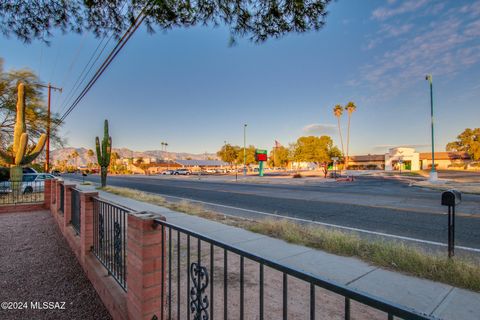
x=297, y=175
x=4, y=174
x=456, y=165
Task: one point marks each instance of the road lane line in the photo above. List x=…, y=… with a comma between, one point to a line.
x=323, y=223
x=320, y=223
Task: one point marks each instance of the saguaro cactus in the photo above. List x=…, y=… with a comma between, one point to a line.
x=103, y=153
x=19, y=156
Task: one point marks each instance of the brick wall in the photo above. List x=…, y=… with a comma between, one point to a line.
x=142, y=300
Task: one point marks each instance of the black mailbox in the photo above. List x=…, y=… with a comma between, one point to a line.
x=451, y=198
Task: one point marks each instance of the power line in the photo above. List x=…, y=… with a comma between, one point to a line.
x=83, y=75
x=121, y=43
x=80, y=80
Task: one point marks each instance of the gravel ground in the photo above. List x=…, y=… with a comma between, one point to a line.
x=37, y=266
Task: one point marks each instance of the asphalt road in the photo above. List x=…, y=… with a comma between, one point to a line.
x=313, y=203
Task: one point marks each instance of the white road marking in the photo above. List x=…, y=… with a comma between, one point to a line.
x=322, y=223
x=325, y=224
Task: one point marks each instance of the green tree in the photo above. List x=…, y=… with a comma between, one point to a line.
x=35, y=111
x=279, y=157
x=90, y=153
x=74, y=155
x=315, y=149
x=250, y=155
x=468, y=141
x=350, y=108
x=259, y=20
x=229, y=153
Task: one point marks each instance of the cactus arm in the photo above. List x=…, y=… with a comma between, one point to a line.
x=99, y=151
x=20, y=126
x=6, y=157
x=21, y=149
x=36, y=151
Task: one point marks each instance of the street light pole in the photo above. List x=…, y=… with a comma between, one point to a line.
x=433, y=172
x=244, y=149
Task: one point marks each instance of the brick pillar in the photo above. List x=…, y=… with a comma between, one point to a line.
x=144, y=266
x=53, y=190
x=58, y=186
x=47, y=193
x=86, y=227
x=67, y=207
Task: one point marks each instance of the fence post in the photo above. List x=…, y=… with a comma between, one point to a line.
x=67, y=207
x=86, y=227
x=144, y=266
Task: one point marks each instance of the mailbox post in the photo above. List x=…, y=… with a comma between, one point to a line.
x=451, y=198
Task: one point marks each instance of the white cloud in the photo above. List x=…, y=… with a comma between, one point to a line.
x=384, y=13
x=446, y=46
x=319, y=129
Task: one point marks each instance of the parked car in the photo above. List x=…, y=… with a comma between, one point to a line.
x=31, y=182
x=28, y=170
x=168, y=172
x=56, y=173
x=184, y=172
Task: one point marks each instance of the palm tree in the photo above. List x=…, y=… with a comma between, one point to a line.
x=350, y=107
x=338, y=112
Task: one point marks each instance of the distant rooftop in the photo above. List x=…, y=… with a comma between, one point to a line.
x=201, y=163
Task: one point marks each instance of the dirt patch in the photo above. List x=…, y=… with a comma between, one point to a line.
x=328, y=305
x=37, y=265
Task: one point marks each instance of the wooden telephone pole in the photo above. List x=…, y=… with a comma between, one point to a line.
x=50, y=87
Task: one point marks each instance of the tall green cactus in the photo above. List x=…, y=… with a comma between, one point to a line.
x=19, y=155
x=103, y=153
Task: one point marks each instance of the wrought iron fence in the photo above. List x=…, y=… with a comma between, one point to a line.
x=109, y=238
x=14, y=192
x=61, y=207
x=206, y=279
x=75, y=211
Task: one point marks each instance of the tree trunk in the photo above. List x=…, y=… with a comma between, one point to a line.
x=103, y=175
x=348, y=141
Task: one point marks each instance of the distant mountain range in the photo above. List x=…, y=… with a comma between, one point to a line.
x=83, y=158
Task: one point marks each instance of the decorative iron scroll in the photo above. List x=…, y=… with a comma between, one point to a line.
x=117, y=244
x=199, y=300
x=101, y=231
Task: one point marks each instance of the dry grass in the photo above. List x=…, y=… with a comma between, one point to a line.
x=459, y=272
x=473, y=188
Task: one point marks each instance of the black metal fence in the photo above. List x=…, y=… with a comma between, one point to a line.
x=61, y=207
x=207, y=279
x=75, y=211
x=109, y=238
x=13, y=192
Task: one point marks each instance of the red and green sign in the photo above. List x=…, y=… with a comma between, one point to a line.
x=260, y=156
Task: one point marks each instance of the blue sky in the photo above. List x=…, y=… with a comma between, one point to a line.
x=189, y=88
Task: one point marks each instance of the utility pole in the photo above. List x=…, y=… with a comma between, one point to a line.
x=50, y=87
x=244, y=149
x=433, y=172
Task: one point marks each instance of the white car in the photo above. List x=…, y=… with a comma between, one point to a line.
x=168, y=172
x=31, y=182
x=183, y=172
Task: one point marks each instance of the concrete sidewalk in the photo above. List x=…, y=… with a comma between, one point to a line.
x=436, y=299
